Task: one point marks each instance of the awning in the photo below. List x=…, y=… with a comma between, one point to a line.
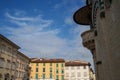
x=83, y=15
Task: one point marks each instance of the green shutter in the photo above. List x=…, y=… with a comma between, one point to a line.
x=57, y=65
x=50, y=69
x=43, y=64
x=50, y=64
x=36, y=64
x=51, y=76
x=36, y=76
x=43, y=76
x=36, y=69
x=62, y=65
x=57, y=71
x=62, y=77
x=62, y=71
x=57, y=77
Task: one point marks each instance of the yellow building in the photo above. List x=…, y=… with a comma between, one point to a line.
x=47, y=69
x=14, y=65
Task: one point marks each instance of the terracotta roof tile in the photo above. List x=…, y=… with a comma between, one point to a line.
x=76, y=63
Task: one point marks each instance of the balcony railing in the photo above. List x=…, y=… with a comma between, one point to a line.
x=88, y=39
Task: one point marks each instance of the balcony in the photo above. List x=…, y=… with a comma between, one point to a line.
x=14, y=60
x=2, y=55
x=88, y=39
x=83, y=15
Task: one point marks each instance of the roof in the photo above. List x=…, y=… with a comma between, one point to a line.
x=9, y=41
x=43, y=60
x=20, y=53
x=83, y=15
x=76, y=63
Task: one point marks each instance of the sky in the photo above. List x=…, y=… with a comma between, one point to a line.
x=44, y=28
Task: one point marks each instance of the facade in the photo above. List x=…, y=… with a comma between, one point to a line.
x=12, y=62
x=22, y=67
x=103, y=37
x=78, y=70
x=47, y=69
x=8, y=58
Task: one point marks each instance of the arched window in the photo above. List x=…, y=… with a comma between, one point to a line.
x=7, y=76
x=12, y=77
x=0, y=76
x=1, y=62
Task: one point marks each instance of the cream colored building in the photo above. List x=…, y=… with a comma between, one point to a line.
x=10, y=60
x=23, y=68
x=78, y=70
x=47, y=69
x=103, y=39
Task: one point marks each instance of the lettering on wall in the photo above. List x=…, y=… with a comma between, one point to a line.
x=95, y=9
x=98, y=5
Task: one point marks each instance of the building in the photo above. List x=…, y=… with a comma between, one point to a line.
x=12, y=62
x=8, y=58
x=78, y=70
x=103, y=37
x=22, y=67
x=47, y=69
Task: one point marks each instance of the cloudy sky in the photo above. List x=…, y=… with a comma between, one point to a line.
x=44, y=28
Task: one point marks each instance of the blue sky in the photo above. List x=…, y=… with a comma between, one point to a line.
x=44, y=28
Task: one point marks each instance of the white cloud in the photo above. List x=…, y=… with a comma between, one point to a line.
x=20, y=19
x=36, y=41
x=32, y=37
x=68, y=21
x=56, y=6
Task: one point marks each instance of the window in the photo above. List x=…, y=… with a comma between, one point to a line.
x=78, y=74
x=36, y=64
x=50, y=75
x=3, y=48
x=95, y=33
x=57, y=77
x=43, y=64
x=14, y=54
x=72, y=74
x=62, y=71
x=67, y=74
x=1, y=62
x=50, y=64
x=0, y=76
x=8, y=65
x=36, y=76
x=62, y=77
x=78, y=67
x=72, y=68
x=36, y=69
x=13, y=65
x=50, y=69
x=57, y=65
x=56, y=70
x=43, y=76
x=62, y=65
x=85, y=74
x=9, y=50
x=43, y=69
x=84, y=67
